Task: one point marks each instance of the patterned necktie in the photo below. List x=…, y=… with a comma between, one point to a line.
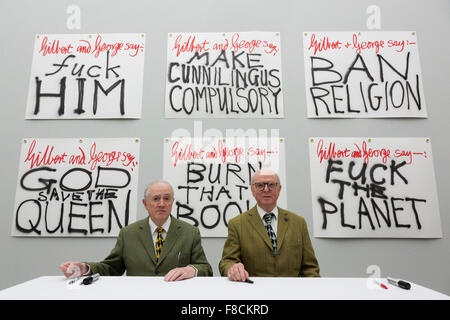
x=159, y=242
x=273, y=237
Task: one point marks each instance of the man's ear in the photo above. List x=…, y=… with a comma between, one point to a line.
x=253, y=191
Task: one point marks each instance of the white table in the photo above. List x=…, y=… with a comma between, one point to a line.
x=215, y=288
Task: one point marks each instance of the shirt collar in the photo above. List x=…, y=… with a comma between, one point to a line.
x=165, y=226
x=261, y=212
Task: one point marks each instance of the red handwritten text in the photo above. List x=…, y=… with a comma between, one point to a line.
x=323, y=44
x=189, y=45
x=237, y=44
x=330, y=152
x=367, y=45
x=108, y=158
x=54, y=47
x=37, y=159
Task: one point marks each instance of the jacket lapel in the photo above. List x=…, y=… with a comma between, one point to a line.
x=146, y=239
x=171, y=238
x=257, y=224
x=282, y=226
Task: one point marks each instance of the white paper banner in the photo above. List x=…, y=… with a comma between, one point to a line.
x=366, y=74
x=224, y=75
x=82, y=76
x=76, y=187
x=374, y=187
x=211, y=177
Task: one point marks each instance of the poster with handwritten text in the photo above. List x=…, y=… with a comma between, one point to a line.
x=85, y=187
x=369, y=74
x=374, y=188
x=224, y=75
x=212, y=177
x=86, y=76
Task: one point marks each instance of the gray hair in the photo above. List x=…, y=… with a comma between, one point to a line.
x=153, y=183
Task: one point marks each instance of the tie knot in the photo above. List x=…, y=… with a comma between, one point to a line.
x=159, y=230
x=268, y=217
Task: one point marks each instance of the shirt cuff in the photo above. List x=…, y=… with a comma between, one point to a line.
x=87, y=272
x=196, y=271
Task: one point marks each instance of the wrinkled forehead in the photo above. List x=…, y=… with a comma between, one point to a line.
x=160, y=189
x=265, y=177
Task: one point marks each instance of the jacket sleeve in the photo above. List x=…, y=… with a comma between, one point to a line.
x=113, y=264
x=198, y=257
x=310, y=265
x=231, y=250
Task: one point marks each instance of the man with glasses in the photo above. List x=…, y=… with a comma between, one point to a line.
x=267, y=241
x=159, y=245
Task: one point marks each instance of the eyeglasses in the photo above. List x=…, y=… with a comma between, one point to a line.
x=261, y=185
x=165, y=199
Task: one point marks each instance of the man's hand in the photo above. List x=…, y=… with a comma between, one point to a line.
x=238, y=273
x=180, y=274
x=73, y=269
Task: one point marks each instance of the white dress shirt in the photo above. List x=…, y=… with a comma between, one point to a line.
x=154, y=232
x=274, y=218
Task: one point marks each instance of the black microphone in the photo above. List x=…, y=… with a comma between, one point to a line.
x=399, y=283
x=90, y=279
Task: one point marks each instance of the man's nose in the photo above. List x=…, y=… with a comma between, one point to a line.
x=161, y=202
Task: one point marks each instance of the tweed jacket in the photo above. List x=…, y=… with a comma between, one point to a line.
x=249, y=243
x=135, y=253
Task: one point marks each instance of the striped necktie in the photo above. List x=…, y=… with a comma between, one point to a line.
x=273, y=237
x=159, y=242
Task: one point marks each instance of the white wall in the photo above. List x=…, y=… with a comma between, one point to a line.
x=426, y=262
